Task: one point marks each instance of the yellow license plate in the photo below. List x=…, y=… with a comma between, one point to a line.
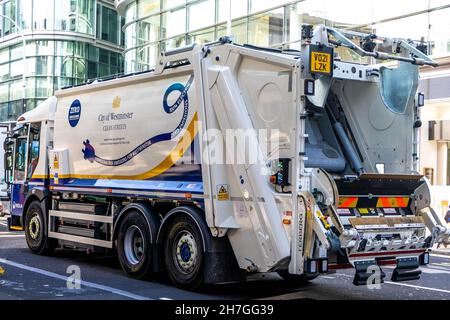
x=320, y=62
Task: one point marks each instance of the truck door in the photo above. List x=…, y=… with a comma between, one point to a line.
x=19, y=186
x=6, y=160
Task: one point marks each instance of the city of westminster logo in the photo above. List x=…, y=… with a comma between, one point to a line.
x=116, y=102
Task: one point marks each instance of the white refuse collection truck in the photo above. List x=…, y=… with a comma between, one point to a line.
x=233, y=159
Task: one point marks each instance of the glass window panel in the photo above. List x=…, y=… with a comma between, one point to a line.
x=4, y=55
x=43, y=14
x=175, y=43
x=131, y=36
x=201, y=37
x=44, y=66
x=239, y=8
x=266, y=29
x=3, y=112
x=201, y=15
x=4, y=89
x=174, y=22
x=45, y=48
x=172, y=3
x=79, y=68
x=64, y=48
x=15, y=90
x=67, y=67
x=148, y=30
x=44, y=87
x=63, y=15
x=9, y=10
x=104, y=56
x=86, y=18
x=147, y=7
x=110, y=25
x=238, y=30
x=17, y=68
x=25, y=14
x=261, y=5
x=440, y=21
x=103, y=70
x=92, y=70
x=30, y=104
x=4, y=72
x=93, y=53
x=294, y=19
x=30, y=89
x=131, y=12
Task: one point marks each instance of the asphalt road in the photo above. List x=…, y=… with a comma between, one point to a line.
x=28, y=276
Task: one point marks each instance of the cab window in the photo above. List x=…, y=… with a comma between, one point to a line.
x=20, y=159
x=33, y=158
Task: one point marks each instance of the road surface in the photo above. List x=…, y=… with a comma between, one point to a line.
x=28, y=276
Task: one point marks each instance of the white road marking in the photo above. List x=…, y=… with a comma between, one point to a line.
x=417, y=287
x=327, y=277
x=441, y=264
x=434, y=271
x=11, y=235
x=439, y=255
x=405, y=285
x=83, y=283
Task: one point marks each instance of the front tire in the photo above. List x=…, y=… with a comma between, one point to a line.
x=134, y=246
x=183, y=253
x=35, y=226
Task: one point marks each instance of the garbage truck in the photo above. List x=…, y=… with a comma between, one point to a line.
x=227, y=160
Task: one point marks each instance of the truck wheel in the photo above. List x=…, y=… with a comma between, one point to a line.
x=134, y=245
x=183, y=253
x=37, y=241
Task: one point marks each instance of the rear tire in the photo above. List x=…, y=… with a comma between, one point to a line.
x=134, y=246
x=183, y=253
x=35, y=227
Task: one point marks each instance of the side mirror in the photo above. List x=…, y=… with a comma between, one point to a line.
x=7, y=144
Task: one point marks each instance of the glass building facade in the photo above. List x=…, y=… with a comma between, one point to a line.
x=152, y=26
x=67, y=42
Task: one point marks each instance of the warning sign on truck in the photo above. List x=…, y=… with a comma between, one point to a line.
x=222, y=192
x=56, y=162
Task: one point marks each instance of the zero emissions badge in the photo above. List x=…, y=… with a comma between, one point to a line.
x=74, y=113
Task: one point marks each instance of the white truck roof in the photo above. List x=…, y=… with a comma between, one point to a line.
x=44, y=111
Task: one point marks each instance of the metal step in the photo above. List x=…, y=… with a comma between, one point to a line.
x=90, y=208
x=80, y=216
x=77, y=234
x=83, y=240
x=82, y=232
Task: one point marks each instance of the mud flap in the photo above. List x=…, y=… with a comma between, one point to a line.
x=364, y=273
x=407, y=269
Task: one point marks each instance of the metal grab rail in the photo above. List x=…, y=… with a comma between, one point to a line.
x=418, y=58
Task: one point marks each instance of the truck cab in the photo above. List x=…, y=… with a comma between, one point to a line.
x=26, y=161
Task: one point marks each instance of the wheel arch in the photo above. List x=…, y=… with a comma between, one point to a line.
x=152, y=219
x=41, y=195
x=192, y=212
x=220, y=262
